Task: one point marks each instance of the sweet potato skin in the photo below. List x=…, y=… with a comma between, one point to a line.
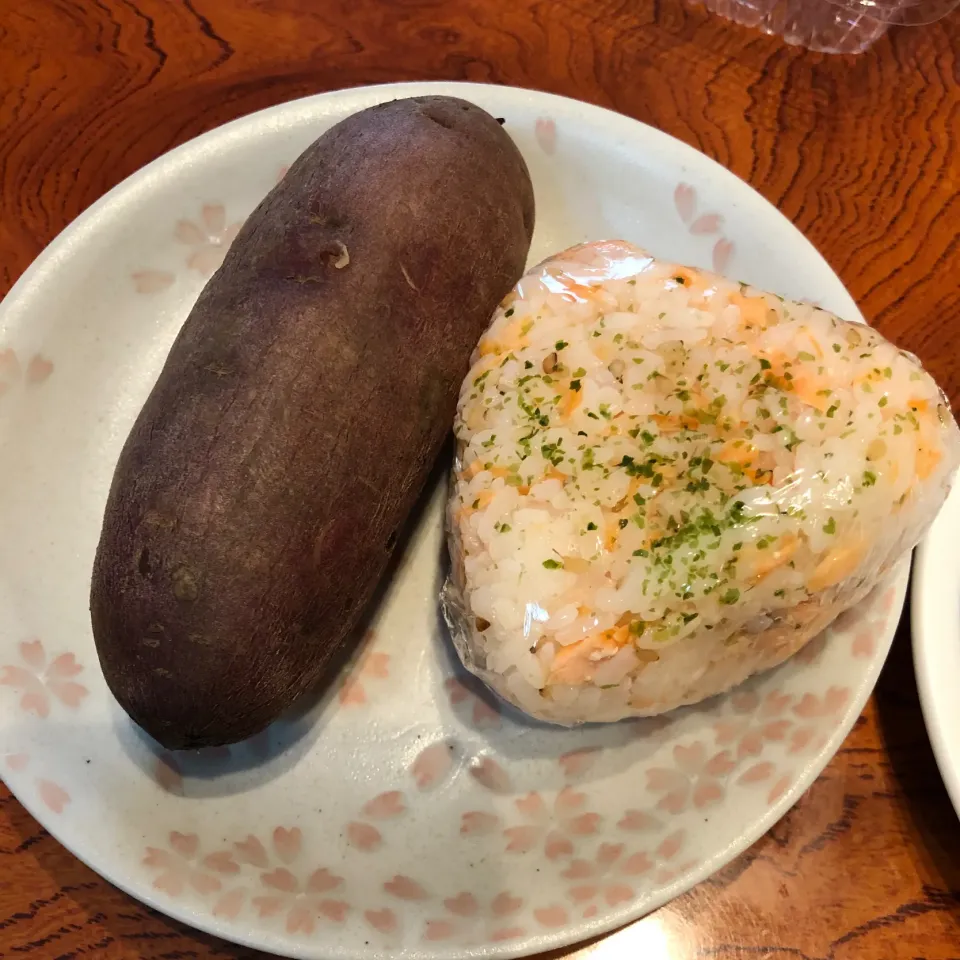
x=258, y=498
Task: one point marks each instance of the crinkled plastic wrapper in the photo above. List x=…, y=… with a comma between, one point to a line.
x=667, y=481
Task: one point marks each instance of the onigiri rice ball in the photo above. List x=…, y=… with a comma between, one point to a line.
x=667, y=481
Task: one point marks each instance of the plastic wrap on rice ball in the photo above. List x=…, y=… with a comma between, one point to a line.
x=666, y=481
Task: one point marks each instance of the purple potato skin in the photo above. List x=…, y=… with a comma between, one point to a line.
x=259, y=496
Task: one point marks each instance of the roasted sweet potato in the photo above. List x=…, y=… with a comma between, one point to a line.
x=258, y=498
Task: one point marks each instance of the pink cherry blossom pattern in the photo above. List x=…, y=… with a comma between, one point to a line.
x=177, y=867
x=467, y=918
x=364, y=837
x=830, y=704
x=864, y=643
x=209, y=238
x=167, y=774
x=638, y=821
x=779, y=789
x=696, y=779
x=599, y=879
x=811, y=651
x=505, y=904
x=14, y=374
x=478, y=823
x=16, y=761
x=707, y=224
x=386, y=805
x=10, y=370
x=302, y=895
x=39, y=369
x=462, y=905
x=279, y=887
x=54, y=797
x=371, y=667
x=757, y=773
x=685, y=200
x=483, y=712
x=551, y=827
x=577, y=762
x=383, y=920
x=151, y=281
x=433, y=764
x=637, y=864
x=287, y=843
x=552, y=916
x=487, y=772
x=752, y=723
x=437, y=930
x=229, y=905
x=545, y=131
x=41, y=683
x=722, y=252
x=665, y=853
x=405, y=888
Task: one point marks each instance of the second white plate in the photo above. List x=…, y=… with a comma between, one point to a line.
x=935, y=626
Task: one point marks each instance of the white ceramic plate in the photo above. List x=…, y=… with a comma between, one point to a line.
x=404, y=814
x=935, y=616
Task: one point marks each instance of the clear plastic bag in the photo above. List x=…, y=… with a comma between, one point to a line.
x=831, y=26
x=666, y=481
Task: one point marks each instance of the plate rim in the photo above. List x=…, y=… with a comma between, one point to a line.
x=935, y=659
x=59, y=247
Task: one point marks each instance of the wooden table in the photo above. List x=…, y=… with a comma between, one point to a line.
x=863, y=154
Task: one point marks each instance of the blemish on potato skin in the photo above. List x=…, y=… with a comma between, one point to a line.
x=152, y=518
x=408, y=278
x=185, y=584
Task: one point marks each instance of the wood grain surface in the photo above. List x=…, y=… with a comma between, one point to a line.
x=863, y=154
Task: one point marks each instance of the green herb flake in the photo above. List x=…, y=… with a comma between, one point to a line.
x=553, y=564
x=830, y=526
